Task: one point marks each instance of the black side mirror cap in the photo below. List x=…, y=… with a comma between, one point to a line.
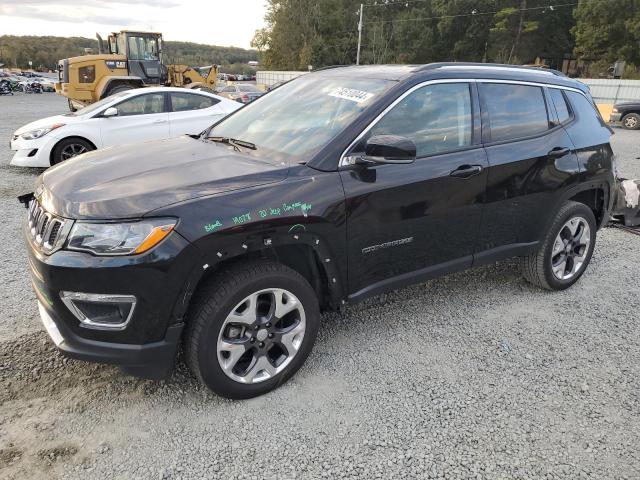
x=392, y=149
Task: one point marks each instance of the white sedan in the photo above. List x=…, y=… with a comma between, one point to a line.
x=126, y=117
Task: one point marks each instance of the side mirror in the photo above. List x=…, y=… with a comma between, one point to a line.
x=110, y=112
x=392, y=149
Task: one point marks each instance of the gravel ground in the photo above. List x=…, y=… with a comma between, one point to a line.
x=474, y=375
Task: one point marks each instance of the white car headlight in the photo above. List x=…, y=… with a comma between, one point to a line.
x=119, y=238
x=40, y=132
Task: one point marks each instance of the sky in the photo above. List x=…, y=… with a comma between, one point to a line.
x=212, y=22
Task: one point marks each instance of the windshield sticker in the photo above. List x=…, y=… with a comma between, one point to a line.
x=352, y=94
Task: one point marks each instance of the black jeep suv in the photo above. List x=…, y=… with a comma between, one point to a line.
x=341, y=184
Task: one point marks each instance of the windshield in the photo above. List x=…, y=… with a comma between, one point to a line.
x=99, y=104
x=302, y=116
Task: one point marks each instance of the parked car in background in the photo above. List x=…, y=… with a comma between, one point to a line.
x=626, y=114
x=48, y=85
x=243, y=93
x=125, y=117
x=341, y=184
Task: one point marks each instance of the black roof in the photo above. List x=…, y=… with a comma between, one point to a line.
x=434, y=71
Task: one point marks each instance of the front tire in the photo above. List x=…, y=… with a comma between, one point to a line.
x=251, y=328
x=631, y=121
x=69, y=148
x=565, y=251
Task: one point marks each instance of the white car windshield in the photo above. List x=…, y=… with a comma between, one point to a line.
x=302, y=116
x=99, y=104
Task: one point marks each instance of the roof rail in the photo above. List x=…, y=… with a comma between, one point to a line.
x=328, y=67
x=490, y=66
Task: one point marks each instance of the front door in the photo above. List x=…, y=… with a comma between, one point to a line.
x=139, y=118
x=411, y=221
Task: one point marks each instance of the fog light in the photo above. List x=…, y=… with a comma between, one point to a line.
x=100, y=311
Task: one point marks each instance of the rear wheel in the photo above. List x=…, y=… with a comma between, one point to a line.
x=69, y=148
x=251, y=329
x=631, y=121
x=122, y=87
x=565, y=251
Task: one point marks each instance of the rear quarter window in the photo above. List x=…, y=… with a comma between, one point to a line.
x=589, y=129
x=514, y=111
x=561, y=105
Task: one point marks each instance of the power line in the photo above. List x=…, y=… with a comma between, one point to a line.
x=472, y=14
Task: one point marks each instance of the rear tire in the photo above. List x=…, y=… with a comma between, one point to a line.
x=563, y=255
x=631, y=121
x=234, y=328
x=69, y=148
x=122, y=87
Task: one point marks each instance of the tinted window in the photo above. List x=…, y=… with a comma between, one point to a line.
x=561, y=104
x=142, y=105
x=181, y=102
x=514, y=111
x=436, y=117
x=229, y=89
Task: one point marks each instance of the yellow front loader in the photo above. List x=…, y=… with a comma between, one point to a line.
x=129, y=60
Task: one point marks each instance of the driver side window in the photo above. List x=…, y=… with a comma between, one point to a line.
x=141, y=105
x=437, y=118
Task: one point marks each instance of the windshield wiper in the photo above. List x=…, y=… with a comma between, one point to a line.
x=234, y=142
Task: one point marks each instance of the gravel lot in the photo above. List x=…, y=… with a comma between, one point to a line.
x=474, y=375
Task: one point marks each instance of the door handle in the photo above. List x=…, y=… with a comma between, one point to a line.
x=159, y=121
x=466, y=171
x=558, y=152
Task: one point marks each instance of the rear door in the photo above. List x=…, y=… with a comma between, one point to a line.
x=412, y=221
x=192, y=112
x=140, y=118
x=531, y=164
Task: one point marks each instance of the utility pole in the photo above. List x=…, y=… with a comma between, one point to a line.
x=359, y=34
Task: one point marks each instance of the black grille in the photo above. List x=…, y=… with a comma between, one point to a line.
x=46, y=229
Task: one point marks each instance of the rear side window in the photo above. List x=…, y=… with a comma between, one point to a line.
x=514, y=111
x=436, y=117
x=561, y=104
x=182, y=102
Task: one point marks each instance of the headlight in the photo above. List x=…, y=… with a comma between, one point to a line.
x=119, y=238
x=615, y=110
x=40, y=132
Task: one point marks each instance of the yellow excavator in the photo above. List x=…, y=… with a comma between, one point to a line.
x=127, y=60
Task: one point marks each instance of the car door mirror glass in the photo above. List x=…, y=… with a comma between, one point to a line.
x=389, y=149
x=110, y=112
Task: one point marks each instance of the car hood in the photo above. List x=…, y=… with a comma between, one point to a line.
x=47, y=122
x=130, y=181
x=627, y=104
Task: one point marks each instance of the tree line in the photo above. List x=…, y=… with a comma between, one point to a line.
x=44, y=52
x=299, y=33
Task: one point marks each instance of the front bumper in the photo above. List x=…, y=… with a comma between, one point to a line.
x=158, y=278
x=33, y=153
x=615, y=117
x=153, y=360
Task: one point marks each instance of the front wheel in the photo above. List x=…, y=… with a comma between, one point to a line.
x=566, y=250
x=69, y=148
x=251, y=329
